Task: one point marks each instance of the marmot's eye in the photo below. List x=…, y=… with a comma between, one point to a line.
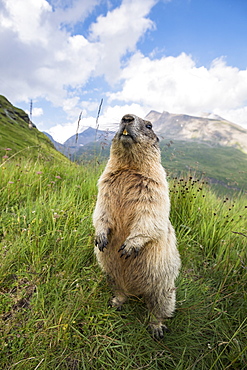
x=149, y=126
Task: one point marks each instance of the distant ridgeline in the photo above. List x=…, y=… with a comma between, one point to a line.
x=73, y=148
x=211, y=130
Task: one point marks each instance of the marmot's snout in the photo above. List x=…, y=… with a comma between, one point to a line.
x=128, y=118
x=126, y=127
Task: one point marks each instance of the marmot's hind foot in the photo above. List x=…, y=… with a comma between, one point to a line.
x=117, y=302
x=158, y=330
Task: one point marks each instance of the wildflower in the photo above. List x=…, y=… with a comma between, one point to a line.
x=58, y=177
x=39, y=172
x=64, y=327
x=5, y=156
x=7, y=149
x=11, y=182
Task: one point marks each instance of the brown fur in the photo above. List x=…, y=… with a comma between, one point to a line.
x=135, y=241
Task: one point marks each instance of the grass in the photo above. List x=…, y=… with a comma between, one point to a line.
x=54, y=298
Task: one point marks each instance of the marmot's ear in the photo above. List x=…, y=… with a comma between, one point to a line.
x=157, y=139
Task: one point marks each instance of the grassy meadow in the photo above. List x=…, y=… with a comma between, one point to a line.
x=207, y=158
x=54, y=299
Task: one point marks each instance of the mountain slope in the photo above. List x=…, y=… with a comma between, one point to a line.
x=21, y=137
x=90, y=135
x=183, y=127
x=222, y=166
x=58, y=146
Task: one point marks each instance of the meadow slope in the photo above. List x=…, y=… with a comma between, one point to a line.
x=20, y=138
x=54, y=299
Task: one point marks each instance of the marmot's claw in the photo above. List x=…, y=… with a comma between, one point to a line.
x=136, y=253
x=101, y=242
x=128, y=252
x=124, y=252
x=121, y=248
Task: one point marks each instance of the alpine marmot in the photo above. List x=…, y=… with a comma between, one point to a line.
x=135, y=243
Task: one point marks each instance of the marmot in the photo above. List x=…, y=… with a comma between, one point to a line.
x=135, y=243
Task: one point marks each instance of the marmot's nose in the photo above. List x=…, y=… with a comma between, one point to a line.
x=128, y=118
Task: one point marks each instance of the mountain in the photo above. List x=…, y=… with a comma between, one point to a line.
x=90, y=135
x=20, y=138
x=215, y=130
x=58, y=146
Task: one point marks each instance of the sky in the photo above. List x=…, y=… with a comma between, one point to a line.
x=180, y=56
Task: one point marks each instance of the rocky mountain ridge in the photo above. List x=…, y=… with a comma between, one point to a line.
x=184, y=127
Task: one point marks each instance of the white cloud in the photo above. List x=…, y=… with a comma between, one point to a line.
x=25, y=19
x=37, y=112
x=118, y=32
x=112, y=115
x=177, y=85
x=46, y=60
x=40, y=58
x=72, y=11
x=238, y=116
x=62, y=132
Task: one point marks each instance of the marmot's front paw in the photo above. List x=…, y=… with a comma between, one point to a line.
x=128, y=250
x=101, y=241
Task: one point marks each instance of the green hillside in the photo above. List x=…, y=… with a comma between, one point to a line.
x=224, y=167
x=20, y=139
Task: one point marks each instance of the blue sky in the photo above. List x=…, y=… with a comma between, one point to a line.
x=180, y=56
x=204, y=29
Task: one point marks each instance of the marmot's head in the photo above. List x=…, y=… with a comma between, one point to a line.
x=134, y=130
x=135, y=144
